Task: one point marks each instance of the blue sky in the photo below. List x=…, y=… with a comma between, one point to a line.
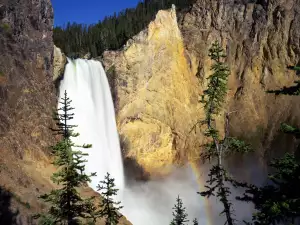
x=87, y=11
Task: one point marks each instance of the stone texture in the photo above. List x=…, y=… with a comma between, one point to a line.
x=26, y=99
x=155, y=85
x=155, y=95
x=26, y=89
x=261, y=40
x=59, y=62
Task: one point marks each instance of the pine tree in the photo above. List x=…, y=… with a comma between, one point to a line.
x=109, y=208
x=112, y=32
x=213, y=99
x=179, y=214
x=279, y=201
x=195, y=222
x=67, y=206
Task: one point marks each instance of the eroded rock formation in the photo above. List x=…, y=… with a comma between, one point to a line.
x=160, y=73
x=26, y=99
x=155, y=94
x=261, y=39
x=59, y=62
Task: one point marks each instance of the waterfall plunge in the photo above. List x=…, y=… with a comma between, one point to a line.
x=87, y=86
x=145, y=203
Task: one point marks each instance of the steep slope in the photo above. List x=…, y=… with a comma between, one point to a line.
x=261, y=39
x=27, y=97
x=155, y=95
x=155, y=85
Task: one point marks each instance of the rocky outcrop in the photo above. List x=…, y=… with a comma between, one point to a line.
x=160, y=73
x=261, y=39
x=26, y=89
x=27, y=98
x=155, y=95
x=59, y=62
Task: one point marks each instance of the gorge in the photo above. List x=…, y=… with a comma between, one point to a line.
x=155, y=80
x=146, y=203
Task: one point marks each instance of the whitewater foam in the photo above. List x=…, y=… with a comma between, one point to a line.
x=145, y=203
x=86, y=84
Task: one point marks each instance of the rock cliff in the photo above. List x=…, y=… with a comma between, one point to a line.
x=160, y=73
x=155, y=95
x=27, y=97
x=261, y=39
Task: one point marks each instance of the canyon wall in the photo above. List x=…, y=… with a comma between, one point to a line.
x=26, y=89
x=158, y=76
x=155, y=95
x=261, y=39
x=27, y=98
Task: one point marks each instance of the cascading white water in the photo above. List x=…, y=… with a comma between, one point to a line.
x=145, y=203
x=86, y=84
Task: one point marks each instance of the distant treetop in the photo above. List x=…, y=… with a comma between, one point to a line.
x=113, y=32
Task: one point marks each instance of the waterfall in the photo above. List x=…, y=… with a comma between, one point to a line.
x=145, y=203
x=86, y=84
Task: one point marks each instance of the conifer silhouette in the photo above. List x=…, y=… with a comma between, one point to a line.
x=66, y=205
x=109, y=208
x=179, y=213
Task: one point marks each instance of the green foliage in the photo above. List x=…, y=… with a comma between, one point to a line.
x=5, y=27
x=46, y=220
x=214, y=96
x=112, y=32
x=278, y=202
x=179, y=213
x=213, y=99
x=293, y=90
x=67, y=206
x=290, y=130
x=234, y=145
x=109, y=208
x=216, y=184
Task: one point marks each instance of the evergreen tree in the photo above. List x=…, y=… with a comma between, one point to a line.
x=109, y=208
x=179, y=214
x=195, y=222
x=113, y=31
x=213, y=99
x=67, y=206
x=279, y=201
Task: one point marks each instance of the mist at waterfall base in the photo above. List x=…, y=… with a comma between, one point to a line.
x=145, y=203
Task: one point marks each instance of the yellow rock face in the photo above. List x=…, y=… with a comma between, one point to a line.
x=59, y=62
x=156, y=95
